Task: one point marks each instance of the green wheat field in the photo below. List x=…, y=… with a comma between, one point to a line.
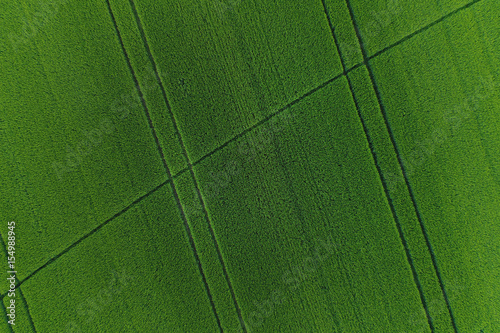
x=250, y=166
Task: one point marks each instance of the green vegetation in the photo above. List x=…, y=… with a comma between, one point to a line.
x=229, y=66
x=73, y=154
x=325, y=233
x=441, y=112
x=137, y=274
x=251, y=166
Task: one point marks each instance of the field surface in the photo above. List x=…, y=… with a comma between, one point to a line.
x=250, y=166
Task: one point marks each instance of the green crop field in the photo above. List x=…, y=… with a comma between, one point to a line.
x=250, y=166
